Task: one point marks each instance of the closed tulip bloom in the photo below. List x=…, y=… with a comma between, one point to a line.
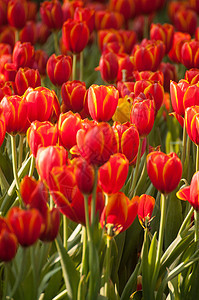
x=16, y=114
x=125, y=88
x=190, y=54
x=87, y=15
x=26, y=224
x=17, y=13
x=106, y=19
x=102, y=102
x=164, y=33
x=75, y=35
x=145, y=209
x=40, y=61
x=8, y=241
x=177, y=94
x=73, y=94
x=149, y=75
x=148, y=55
x=43, y=33
x=125, y=62
x=51, y=222
x=119, y=213
x=108, y=67
x=97, y=143
x=23, y=54
x=68, y=126
x=85, y=175
x=7, y=35
x=192, y=76
x=51, y=14
x=69, y=8
x=2, y=126
x=170, y=74
x=107, y=36
x=41, y=134
x=40, y=103
x=113, y=174
x=49, y=157
x=190, y=193
x=150, y=89
x=3, y=13
x=128, y=140
x=28, y=33
x=126, y=7
x=164, y=170
x=178, y=40
x=143, y=115
x=192, y=122
x=129, y=39
x=59, y=68
x=26, y=78
x=185, y=21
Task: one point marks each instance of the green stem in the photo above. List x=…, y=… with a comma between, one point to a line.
x=20, y=154
x=14, y=160
x=59, y=94
x=5, y=286
x=184, y=145
x=146, y=27
x=188, y=157
x=81, y=66
x=4, y=184
x=197, y=158
x=88, y=229
x=160, y=239
x=108, y=266
x=65, y=231
x=56, y=44
x=187, y=218
x=74, y=67
x=32, y=166
x=16, y=35
x=33, y=263
x=93, y=203
x=196, y=223
x=135, y=176
x=84, y=260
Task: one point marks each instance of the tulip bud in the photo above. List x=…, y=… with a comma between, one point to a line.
x=164, y=33
x=28, y=33
x=23, y=55
x=85, y=14
x=26, y=78
x=17, y=13
x=85, y=175
x=59, y=69
x=108, y=67
x=73, y=94
x=145, y=209
x=51, y=225
x=8, y=241
x=51, y=14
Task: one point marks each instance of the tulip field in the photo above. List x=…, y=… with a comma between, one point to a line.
x=99, y=150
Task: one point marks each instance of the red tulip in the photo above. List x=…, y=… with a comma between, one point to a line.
x=192, y=76
x=113, y=174
x=108, y=67
x=69, y=8
x=145, y=209
x=51, y=14
x=169, y=72
x=26, y=78
x=85, y=14
x=59, y=69
x=178, y=41
x=126, y=7
x=23, y=55
x=17, y=13
x=2, y=125
x=75, y=35
x=43, y=32
x=149, y=75
x=73, y=94
x=26, y=224
x=185, y=20
x=119, y=212
x=164, y=171
x=192, y=122
x=190, y=54
x=164, y=33
x=51, y=225
x=8, y=241
x=102, y=102
x=125, y=63
x=41, y=134
x=28, y=33
x=40, y=61
x=85, y=175
x=106, y=19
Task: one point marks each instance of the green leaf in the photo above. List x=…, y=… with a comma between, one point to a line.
x=152, y=255
x=131, y=284
x=71, y=276
x=46, y=278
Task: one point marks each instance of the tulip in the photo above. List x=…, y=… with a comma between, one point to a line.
x=148, y=55
x=26, y=224
x=67, y=196
x=102, y=102
x=189, y=54
x=178, y=41
x=2, y=126
x=59, y=69
x=164, y=33
x=194, y=4
x=125, y=88
x=191, y=123
x=128, y=140
x=173, y=7
x=26, y=78
x=75, y=35
x=126, y=7
x=49, y=157
x=169, y=73
x=69, y=8
x=5, y=90
x=113, y=174
x=115, y=47
x=85, y=14
x=143, y=115
x=51, y=14
x=149, y=75
x=73, y=94
x=147, y=7
x=7, y=35
x=40, y=103
x=3, y=13
x=40, y=61
x=129, y=39
x=185, y=21
x=28, y=33
x=68, y=126
x=145, y=209
x=97, y=143
x=108, y=36
x=85, y=175
x=105, y=19
x=9, y=71
x=8, y=241
x=108, y=67
x=119, y=212
x=43, y=32
x=17, y=13
x=16, y=114
x=164, y=171
x=125, y=63
x=192, y=76
x=23, y=55
x=190, y=193
x=41, y=134
x=51, y=225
